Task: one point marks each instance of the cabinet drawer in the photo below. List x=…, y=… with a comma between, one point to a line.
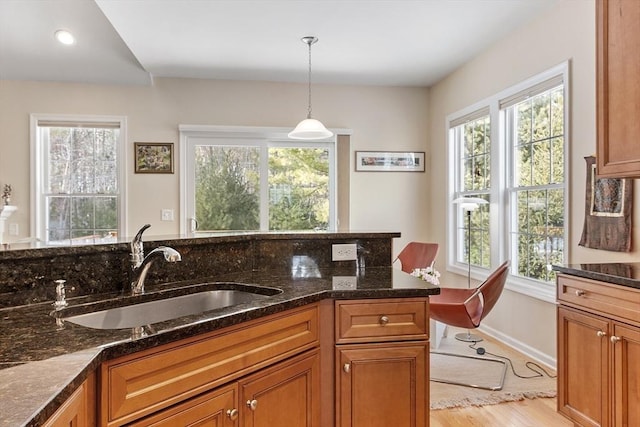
x=615, y=301
x=142, y=383
x=382, y=320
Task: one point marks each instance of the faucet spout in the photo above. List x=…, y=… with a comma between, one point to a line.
x=139, y=273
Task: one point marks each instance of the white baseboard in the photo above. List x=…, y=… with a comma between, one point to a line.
x=523, y=348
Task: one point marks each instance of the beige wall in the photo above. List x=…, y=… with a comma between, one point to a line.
x=381, y=118
x=566, y=32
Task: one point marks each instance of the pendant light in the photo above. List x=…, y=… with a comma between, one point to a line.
x=310, y=129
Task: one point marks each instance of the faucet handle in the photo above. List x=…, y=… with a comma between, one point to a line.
x=137, y=247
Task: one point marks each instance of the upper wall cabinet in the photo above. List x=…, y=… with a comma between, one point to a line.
x=618, y=88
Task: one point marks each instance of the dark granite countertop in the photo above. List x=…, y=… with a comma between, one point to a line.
x=624, y=274
x=42, y=362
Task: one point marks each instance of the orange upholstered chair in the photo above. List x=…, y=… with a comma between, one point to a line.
x=465, y=308
x=417, y=255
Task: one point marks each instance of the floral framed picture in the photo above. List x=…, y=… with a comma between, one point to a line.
x=153, y=157
x=390, y=161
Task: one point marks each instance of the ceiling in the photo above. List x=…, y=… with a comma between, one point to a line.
x=372, y=42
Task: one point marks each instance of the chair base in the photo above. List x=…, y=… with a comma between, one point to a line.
x=468, y=337
x=469, y=384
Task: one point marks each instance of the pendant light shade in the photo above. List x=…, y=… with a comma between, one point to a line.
x=310, y=129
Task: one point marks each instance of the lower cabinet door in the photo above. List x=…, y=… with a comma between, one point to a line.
x=80, y=408
x=382, y=385
x=626, y=376
x=285, y=395
x=583, y=367
x=217, y=408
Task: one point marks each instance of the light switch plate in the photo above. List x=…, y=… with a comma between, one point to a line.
x=167, y=214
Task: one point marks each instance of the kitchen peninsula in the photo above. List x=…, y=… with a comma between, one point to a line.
x=328, y=321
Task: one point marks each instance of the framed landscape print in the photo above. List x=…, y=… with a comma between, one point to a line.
x=390, y=161
x=153, y=157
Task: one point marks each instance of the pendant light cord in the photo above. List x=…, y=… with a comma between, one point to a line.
x=310, y=42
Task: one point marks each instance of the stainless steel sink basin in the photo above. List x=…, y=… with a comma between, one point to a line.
x=147, y=313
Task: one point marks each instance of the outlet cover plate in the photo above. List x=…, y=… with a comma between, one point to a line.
x=344, y=252
x=344, y=283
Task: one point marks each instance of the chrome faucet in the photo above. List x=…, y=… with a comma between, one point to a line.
x=140, y=264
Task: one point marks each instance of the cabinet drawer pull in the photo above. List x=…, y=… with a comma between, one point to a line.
x=580, y=293
x=232, y=414
x=384, y=320
x=601, y=334
x=614, y=339
x=252, y=404
x=346, y=368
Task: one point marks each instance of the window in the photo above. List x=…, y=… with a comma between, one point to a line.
x=511, y=150
x=472, y=142
x=535, y=134
x=77, y=175
x=238, y=180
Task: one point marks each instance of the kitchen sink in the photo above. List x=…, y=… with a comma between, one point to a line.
x=146, y=313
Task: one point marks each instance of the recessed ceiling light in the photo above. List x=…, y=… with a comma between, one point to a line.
x=65, y=37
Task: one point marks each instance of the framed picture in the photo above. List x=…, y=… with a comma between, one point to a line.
x=390, y=161
x=154, y=157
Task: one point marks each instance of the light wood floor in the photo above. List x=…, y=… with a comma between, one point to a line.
x=524, y=413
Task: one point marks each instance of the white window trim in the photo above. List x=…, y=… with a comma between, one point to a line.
x=263, y=137
x=532, y=288
x=38, y=169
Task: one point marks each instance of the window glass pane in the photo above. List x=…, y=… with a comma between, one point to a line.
x=541, y=162
x=82, y=214
x=523, y=122
x=523, y=165
x=227, y=181
x=557, y=112
x=541, y=117
x=82, y=163
x=298, y=189
x=106, y=213
x=557, y=160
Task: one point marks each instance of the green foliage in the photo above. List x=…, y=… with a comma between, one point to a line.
x=227, y=188
x=299, y=189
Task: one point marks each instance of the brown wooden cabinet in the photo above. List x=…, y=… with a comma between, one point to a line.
x=598, y=353
x=286, y=395
x=382, y=363
x=618, y=88
x=141, y=384
x=79, y=410
x=218, y=408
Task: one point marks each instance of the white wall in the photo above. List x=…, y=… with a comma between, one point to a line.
x=565, y=32
x=381, y=118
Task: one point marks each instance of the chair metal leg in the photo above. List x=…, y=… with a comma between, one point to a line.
x=468, y=384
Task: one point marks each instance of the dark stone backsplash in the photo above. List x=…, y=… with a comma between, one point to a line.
x=27, y=276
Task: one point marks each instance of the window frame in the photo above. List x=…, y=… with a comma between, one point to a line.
x=262, y=137
x=38, y=167
x=500, y=222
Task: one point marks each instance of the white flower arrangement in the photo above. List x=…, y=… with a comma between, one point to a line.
x=428, y=274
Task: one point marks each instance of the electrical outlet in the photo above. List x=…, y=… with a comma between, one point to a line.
x=13, y=229
x=344, y=283
x=167, y=214
x=344, y=252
